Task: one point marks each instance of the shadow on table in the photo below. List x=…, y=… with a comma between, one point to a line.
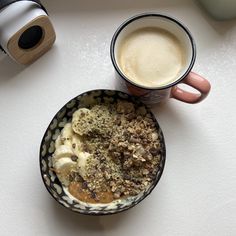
x=59, y=6
x=97, y=224
x=9, y=68
x=221, y=27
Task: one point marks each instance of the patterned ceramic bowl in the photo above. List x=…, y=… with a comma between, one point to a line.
x=47, y=148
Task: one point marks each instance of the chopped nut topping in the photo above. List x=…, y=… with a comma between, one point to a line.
x=125, y=151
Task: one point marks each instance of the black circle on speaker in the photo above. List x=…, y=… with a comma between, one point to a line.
x=30, y=37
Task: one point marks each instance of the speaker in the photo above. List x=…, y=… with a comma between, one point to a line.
x=26, y=32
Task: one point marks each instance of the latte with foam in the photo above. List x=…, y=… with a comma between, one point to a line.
x=151, y=57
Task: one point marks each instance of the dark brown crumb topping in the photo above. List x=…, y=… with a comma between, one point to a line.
x=125, y=148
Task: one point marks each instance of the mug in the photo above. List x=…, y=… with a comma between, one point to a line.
x=168, y=26
x=26, y=31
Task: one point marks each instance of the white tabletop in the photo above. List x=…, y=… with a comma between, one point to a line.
x=197, y=192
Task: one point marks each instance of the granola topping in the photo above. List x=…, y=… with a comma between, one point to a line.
x=114, y=152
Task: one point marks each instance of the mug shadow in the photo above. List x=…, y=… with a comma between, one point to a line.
x=119, y=83
x=168, y=116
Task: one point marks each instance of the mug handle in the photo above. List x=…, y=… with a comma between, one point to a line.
x=196, y=81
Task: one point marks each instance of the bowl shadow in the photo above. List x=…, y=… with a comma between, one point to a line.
x=88, y=223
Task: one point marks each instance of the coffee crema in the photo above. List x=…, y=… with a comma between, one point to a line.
x=151, y=57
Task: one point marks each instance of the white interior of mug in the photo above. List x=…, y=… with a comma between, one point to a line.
x=162, y=22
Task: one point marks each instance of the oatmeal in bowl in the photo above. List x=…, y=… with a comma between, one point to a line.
x=102, y=153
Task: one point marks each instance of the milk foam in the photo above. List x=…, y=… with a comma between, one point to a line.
x=151, y=57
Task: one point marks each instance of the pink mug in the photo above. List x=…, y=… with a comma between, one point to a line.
x=154, y=94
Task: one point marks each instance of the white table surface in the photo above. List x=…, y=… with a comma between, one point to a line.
x=197, y=192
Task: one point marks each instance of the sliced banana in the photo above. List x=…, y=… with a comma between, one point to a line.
x=67, y=134
x=77, y=144
x=82, y=161
x=68, y=145
x=64, y=166
x=58, y=142
x=79, y=119
x=63, y=151
x=80, y=113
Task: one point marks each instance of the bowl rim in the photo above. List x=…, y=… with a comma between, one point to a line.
x=141, y=198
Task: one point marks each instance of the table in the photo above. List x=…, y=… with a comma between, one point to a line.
x=196, y=194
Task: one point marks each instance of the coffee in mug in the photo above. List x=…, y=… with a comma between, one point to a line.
x=151, y=57
x=153, y=53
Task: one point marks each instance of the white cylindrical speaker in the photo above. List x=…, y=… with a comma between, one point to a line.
x=26, y=31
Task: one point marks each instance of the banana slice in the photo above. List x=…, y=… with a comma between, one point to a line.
x=80, y=113
x=82, y=161
x=80, y=121
x=63, y=151
x=64, y=166
x=67, y=134
x=77, y=144
x=68, y=145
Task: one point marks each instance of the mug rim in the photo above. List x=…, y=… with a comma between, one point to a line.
x=143, y=15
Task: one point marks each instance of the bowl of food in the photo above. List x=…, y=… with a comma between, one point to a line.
x=102, y=153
